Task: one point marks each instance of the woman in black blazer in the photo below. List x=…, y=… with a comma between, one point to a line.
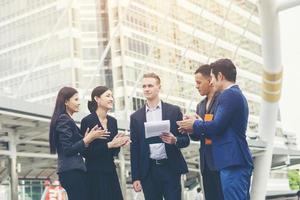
x=66, y=139
x=103, y=182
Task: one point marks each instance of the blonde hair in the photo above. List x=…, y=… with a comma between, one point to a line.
x=152, y=75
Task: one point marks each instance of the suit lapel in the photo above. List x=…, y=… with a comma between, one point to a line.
x=143, y=114
x=77, y=129
x=142, y=119
x=164, y=117
x=163, y=111
x=96, y=119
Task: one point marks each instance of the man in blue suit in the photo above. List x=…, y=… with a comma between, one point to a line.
x=227, y=130
x=157, y=167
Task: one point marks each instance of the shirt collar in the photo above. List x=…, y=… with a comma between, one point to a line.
x=158, y=106
x=230, y=86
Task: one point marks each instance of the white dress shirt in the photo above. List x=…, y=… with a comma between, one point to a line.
x=158, y=150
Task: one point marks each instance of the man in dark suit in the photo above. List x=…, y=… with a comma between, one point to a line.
x=206, y=109
x=157, y=168
x=227, y=130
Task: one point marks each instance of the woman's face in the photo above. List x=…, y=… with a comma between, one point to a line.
x=72, y=105
x=106, y=100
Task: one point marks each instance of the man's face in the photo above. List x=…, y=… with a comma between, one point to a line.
x=216, y=81
x=150, y=88
x=203, y=84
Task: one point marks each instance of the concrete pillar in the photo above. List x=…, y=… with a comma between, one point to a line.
x=271, y=89
x=13, y=167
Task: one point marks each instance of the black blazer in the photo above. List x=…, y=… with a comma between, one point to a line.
x=140, y=151
x=69, y=144
x=98, y=156
x=206, y=155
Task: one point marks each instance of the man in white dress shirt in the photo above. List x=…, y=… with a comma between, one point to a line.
x=157, y=164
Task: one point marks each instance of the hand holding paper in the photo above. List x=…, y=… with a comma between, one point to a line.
x=168, y=138
x=154, y=129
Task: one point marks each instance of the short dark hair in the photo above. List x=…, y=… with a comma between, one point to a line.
x=204, y=70
x=226, y=67
x=152, y=75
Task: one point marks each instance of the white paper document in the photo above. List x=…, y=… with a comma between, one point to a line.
x=156, y=128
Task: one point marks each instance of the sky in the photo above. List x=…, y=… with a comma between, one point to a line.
x=290, y=51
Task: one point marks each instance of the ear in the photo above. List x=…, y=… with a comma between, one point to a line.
x=209, y=79
x=66, y=102
x=220, y=76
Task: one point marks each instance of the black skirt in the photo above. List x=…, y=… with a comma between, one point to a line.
x=75, y=183
x=104, y=185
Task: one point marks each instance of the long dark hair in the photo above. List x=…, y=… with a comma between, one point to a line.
x=63, y=95
x=97, y=92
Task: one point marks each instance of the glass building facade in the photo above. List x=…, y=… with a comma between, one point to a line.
x=172, y=38
x=47, y=44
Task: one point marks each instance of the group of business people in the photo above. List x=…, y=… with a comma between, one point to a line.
x=156, y=167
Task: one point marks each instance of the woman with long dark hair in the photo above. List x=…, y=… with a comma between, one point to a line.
x=103, y=182
x=66, y=140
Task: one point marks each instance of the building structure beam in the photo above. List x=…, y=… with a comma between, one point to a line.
x=284, y=4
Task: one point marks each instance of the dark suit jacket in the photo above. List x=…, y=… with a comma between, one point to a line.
x=139, y=148
x=228, y=130
x=98, y=156
x=206, y=155
x=69, y=144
